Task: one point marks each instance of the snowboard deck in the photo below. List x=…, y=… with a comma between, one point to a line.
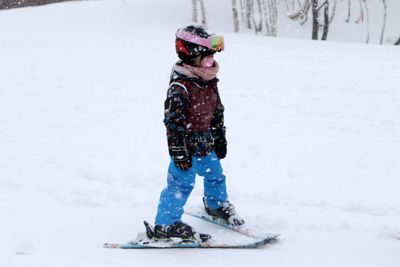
x=191, y=245
x=143, y=241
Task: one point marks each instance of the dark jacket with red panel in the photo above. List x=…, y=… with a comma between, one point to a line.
x=194, y=116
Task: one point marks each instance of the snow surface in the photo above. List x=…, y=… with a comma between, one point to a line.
x=313, y=132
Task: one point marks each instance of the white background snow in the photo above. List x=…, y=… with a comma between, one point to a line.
x=313, y=132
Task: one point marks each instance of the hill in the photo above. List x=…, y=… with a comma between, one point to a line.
x=313, y=132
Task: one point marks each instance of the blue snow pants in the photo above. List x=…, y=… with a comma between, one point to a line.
x=180, y=184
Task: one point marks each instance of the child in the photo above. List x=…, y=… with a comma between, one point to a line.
x=196, y=134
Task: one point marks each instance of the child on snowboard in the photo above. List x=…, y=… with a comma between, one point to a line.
x=196, y=134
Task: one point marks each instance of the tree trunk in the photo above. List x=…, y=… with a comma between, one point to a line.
x=260, y=15
x=235, y=16
x=367, y=18
x=326, y=22
x=266, y=18
x=315, y=24
x=348, y=11
x=361, y=17
x=333, y=11
x=384, y=21
x=203, y=14
x=274, y=17
x=195, y=14
x=243, y=9
x=249, y=9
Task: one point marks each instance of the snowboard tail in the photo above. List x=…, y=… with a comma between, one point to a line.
x=238, y=229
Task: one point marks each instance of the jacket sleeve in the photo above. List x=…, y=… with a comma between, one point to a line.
x=175, y=110
x=217, y=123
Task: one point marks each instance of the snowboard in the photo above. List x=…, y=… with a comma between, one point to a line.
x=179, y=244
x=143, y=241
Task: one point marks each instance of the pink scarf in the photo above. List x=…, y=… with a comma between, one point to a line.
x=206, y=74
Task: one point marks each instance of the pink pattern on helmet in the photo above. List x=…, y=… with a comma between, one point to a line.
x=187, y=36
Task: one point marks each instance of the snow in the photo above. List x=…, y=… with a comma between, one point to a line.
x=313, y=132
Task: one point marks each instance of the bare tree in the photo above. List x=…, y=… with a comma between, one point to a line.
x=302, y=15
x=195, y=12
x=262, y=15
x=302, y=12
x=315, y=20
x=203, y=13
x=235, y=16
x=269, y=16
x=333, y=11
x=242, y=9
x=361, y=16
x=326, y=21
x=259, y=26
x=348, y=11
x=266, y=20
x=248, y=8
x=384, y=21
x=367, y=18
x=273, y=9
x=258, y=15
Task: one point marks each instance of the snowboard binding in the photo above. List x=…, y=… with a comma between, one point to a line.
x=192, y=237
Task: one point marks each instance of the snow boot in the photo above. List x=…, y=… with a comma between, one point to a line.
x=226, y=213
x=178, y=229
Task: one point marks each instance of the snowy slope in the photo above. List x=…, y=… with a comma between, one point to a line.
x=313, y=131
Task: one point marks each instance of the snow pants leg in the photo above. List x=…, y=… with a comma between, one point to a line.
x=214, y=181
x=180, y=184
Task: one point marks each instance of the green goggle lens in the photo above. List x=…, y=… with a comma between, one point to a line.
x=217, y=42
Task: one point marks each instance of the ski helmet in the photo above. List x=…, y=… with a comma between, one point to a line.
x=193, y=41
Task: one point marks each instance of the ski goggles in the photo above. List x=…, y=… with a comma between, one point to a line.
x=214, y=42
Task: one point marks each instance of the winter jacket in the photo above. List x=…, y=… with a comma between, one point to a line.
x=193, y=116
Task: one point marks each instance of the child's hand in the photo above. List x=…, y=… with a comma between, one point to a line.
x=220, y=148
